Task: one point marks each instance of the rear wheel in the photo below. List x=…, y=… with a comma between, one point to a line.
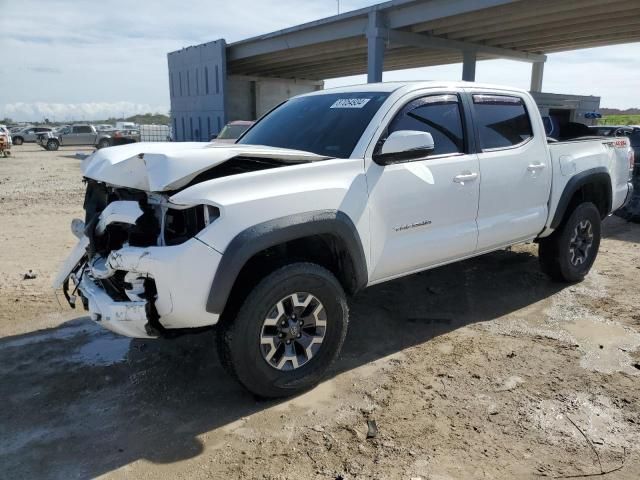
x=52, y=145
x=568, y=254
x=18, y=140
x=104, y=143
x=287, y=333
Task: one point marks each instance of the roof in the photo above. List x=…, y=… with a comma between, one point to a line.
x=435, y=32
x=410, y=86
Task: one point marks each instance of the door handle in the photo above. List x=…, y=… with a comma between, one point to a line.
x=465, y=177
x=536, y=166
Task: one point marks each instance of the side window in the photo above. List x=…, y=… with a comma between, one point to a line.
x=502, y=121
x=438, y=115
x=82, y=129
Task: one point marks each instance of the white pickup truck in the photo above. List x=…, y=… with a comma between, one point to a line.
x=327, y=194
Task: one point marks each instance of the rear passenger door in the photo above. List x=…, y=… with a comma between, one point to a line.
x=514, y=166
x=80, y=135
x=86, y=135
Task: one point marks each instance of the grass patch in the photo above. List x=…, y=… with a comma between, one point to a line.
x=620, y=120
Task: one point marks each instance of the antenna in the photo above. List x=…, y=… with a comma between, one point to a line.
x=338, y=2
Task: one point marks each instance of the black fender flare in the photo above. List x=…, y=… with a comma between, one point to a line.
x=278, y=231
x=592, y=175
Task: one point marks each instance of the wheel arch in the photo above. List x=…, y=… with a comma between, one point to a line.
x=326, y=237
x=592, y=185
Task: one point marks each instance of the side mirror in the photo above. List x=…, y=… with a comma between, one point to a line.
x=404, y=146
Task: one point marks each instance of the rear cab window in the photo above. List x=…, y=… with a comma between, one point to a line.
x=502, y=121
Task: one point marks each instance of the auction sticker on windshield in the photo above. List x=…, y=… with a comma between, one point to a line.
x=350, y=103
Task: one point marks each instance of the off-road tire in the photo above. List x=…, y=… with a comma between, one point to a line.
x=18, y=140
x=53, y=145
x=554, y=251
x=238, y=339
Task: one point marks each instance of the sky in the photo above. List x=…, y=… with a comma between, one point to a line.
x=87, y=60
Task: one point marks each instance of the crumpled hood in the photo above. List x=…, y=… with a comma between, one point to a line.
x=162, y=166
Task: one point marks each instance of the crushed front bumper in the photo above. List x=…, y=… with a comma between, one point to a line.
x=182, y=275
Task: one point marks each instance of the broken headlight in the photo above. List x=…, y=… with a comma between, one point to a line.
x=182, y=224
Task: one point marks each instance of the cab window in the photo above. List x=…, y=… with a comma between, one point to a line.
x=438, y=115
x=502, y=121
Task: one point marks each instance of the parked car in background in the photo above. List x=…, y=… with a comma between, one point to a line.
x=28, y=134
x=125, y=125
x=232, y=131
x=104, y=127
x=390, y=179
x=125, y=136
x=75, y=135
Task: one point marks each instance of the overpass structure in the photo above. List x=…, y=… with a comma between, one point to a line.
x=245, y=78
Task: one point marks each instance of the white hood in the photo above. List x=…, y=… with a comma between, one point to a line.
x=162, y=166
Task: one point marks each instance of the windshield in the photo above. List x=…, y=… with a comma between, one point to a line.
x=327, y=124
x=230, y=132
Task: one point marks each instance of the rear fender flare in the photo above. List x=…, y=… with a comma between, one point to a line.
x=598, y=175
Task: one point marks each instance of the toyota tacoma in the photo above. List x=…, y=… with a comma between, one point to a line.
x=327, y=194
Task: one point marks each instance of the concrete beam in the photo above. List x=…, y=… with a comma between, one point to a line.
x=469, y=66
x=537, y=71
x=351, y=24
x=375, y=47
x=429, y=41
x=486, y=21
x=542, y=24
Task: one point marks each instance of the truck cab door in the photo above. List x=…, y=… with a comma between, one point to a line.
x=515, y=167
x=85, y=135
x=423, y=212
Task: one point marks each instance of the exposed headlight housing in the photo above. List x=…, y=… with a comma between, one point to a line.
x=180, y=225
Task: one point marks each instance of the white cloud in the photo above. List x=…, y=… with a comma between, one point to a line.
x=76, y=111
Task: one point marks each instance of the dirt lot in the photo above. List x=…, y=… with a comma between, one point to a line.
x=482, y=369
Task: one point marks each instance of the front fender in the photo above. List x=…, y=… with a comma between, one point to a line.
x=279, y=231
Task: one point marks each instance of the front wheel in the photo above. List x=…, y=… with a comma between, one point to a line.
x=18, y=140
x=287, y=333
x=52, y=145
x=104, y=143
x=568, y=254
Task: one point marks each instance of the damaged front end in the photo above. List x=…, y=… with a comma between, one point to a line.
x=139, y=266
x=129, y=266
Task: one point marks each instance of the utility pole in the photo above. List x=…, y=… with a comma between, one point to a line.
x=338, y=1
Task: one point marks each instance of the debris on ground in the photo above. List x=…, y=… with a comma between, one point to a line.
x=30, y=275
x=372, y=429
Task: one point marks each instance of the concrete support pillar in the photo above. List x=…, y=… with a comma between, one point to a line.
x=375, y=48
x=537, y=72
x=469, y=66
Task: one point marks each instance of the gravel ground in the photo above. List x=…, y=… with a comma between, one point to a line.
x=481, y=369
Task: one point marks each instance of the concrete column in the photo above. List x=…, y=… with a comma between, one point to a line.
x=375, y=48
x=537, y=72
x=469, y=66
